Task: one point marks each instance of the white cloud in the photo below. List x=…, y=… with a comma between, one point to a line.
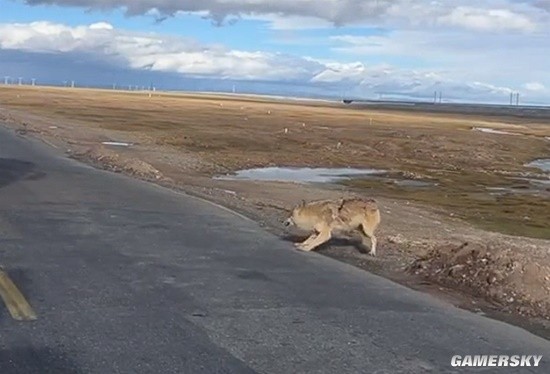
x=486, y=15
x=468, y=48
x=487, y=19
x=153, y=51
x=186, y=56
x=504, y=59
x=101, y=26
x=534, y=86
x=334, y=11
x=389, y=80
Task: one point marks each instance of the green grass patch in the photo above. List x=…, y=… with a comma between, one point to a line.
x=466, y=197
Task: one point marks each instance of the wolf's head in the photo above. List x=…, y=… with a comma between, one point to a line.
x=288, y=222
x=291, y=220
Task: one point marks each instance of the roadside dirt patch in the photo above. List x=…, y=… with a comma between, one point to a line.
x=112, y=161
x=499, y=272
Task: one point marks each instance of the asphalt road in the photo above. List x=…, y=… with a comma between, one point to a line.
x=128, y=277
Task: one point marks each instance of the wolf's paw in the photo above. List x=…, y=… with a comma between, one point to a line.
x=301, y=247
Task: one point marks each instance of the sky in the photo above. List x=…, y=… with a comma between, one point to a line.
x=470, y=51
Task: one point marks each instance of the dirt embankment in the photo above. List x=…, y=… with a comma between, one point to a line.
x=421, y=239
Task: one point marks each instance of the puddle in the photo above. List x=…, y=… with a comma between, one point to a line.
x=539, y=187
x=119, y=144
x=524, y=186
x=536, y=182
x=321, y=175
x=500, y=191
x=300, y=175
x=493, y=131
x=542, y=164
x=414, y=183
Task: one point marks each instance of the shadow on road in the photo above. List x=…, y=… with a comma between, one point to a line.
x=335, y=241
x=32, y=360
x=12, y=170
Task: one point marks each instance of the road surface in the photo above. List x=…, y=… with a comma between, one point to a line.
x=128, y=277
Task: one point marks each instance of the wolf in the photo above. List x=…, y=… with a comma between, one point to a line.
x=328, y=217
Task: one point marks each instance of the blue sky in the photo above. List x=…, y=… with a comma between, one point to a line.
x=470, y=50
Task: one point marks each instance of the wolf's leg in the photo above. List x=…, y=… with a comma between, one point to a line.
x=364, y=238
x=307, y=241
x=369, y=232
x=323, y=237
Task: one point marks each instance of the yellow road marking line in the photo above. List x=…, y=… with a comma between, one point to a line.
x=16, y=303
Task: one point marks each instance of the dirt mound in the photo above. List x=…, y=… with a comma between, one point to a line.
x=501, y=274
x=112, y=161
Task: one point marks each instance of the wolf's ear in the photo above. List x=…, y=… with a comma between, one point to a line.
x=303, y=203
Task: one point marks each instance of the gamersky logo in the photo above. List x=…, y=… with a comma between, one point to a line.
x=496, y=360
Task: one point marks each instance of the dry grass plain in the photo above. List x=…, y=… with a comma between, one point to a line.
x=190, y=138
